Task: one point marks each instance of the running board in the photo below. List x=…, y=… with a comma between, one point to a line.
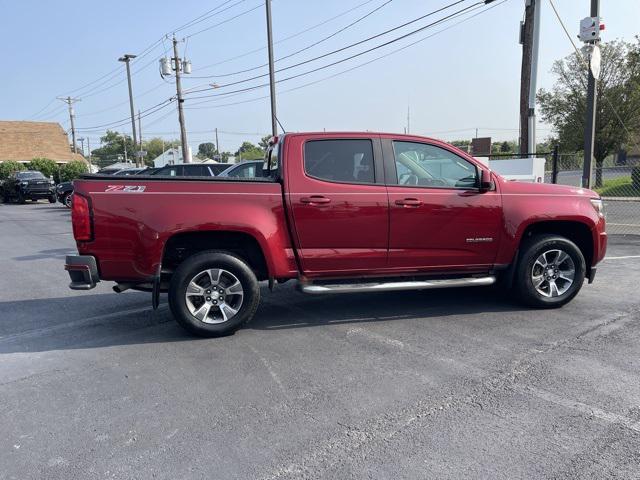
x=316, y=289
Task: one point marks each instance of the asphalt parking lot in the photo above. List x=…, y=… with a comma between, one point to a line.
x=440, y=384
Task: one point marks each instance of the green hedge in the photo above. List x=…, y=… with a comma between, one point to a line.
x=47, y=167
x=8, y=167
x=72, y=170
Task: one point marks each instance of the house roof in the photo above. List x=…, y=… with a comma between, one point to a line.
x=24, y=141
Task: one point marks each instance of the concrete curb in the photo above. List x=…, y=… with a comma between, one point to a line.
x=621, y=199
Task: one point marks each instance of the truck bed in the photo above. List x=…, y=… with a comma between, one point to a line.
x=134, y=218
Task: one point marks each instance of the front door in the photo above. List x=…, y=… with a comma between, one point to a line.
x=439, y=218
x=339, y=203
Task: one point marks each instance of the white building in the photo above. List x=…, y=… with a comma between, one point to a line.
x=170, y=157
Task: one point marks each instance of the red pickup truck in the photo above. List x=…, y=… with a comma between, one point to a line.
x=338, y=212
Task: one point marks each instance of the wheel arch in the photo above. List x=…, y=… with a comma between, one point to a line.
x=180, y=246
x=578, y=232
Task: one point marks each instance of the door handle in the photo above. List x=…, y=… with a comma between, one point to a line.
x=409, y=202
x=315, y=200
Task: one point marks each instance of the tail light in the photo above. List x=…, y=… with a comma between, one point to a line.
x=81, y=218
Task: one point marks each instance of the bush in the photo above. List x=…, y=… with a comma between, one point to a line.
x=8, y=167
x=49, y=168
x=72, y=170
x=635, y=177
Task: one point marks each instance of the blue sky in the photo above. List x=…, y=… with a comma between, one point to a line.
x=463, y=78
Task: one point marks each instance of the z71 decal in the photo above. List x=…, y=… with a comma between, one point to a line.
x=125, y=188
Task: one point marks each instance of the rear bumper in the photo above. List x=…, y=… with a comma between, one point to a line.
x=83, y=271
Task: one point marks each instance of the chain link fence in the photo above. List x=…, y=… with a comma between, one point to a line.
x=618, y=184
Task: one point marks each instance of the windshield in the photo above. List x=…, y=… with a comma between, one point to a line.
x=29, y=175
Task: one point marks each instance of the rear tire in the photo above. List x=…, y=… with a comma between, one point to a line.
x=213, y=294
x=550, y=271
x=67, y=200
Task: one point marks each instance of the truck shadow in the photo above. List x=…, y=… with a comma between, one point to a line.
x=292, y=309
x=105, y=320
x=59, y=253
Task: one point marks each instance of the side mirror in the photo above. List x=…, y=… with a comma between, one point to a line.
x=485, y=180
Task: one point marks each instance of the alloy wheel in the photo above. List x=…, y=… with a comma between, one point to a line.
x=214, y=296
x=553, y=273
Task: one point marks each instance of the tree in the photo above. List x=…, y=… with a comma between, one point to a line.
x=564, y=106
x=113, y=144
x=264, y=142
x=72, y=170
x=47, y=167
x=8, y=167
x=154, y=148
x=207, y=150
x=248, y=151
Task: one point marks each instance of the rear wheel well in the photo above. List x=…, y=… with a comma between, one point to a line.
x=181, y=246
x=579, y=233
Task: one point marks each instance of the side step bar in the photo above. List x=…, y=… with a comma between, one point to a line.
x=316, y=289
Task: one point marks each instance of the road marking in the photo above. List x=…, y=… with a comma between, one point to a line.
x=583, y=408
x=623, y=224
x=621, y=258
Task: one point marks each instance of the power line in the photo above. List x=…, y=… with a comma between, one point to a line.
x=389, y=42
x=360, y=42
x=297, y=34
x=111, y=75
x=354, y=67
x=308, y=47
x=224, y=21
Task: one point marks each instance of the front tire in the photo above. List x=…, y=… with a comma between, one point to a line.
x=52, y=199
x=68, y=200
x=550, y=272
x=213, y=294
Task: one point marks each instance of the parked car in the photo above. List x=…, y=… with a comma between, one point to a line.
x=338, y=212
x=129, y=171
x=218, y=168
x=148, y=171
x=249, y=169
x=189, y=170
x=28, y=185
x=64, y=192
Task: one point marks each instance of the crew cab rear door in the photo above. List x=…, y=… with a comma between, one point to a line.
x=439, y=218
x=339, y=203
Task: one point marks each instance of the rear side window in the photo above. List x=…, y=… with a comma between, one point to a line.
x=349, y=161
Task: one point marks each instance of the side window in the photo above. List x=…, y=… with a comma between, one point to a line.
x=420, y=164
x=349, y=161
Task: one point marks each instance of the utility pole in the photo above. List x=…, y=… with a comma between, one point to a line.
x=272, y=80
x=140, y=139
x=530, y=39
x=183, y=131
x=217, y=145
x=590, y=120
x=126, y=59
x=408, y=119
x=89, y=157
x=70, y=101
x=81, y=140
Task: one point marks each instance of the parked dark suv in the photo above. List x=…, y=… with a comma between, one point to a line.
x=30, y=185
